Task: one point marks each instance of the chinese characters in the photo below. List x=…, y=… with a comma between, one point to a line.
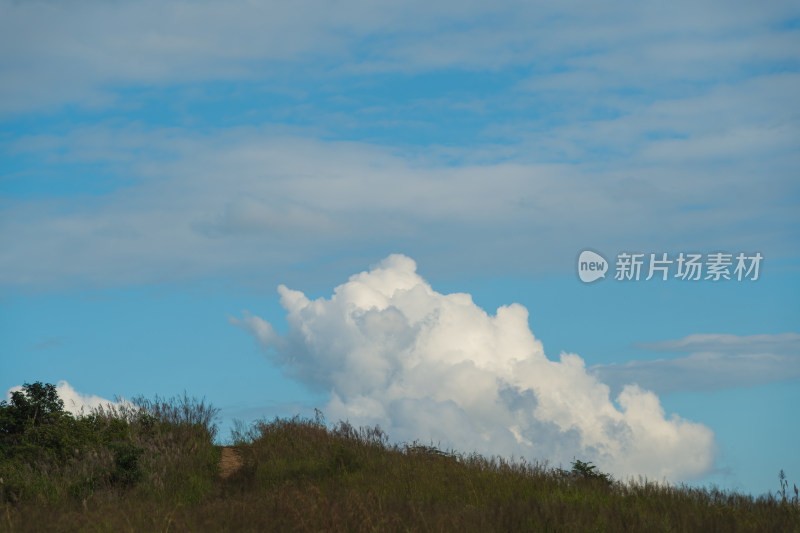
x=688, y=266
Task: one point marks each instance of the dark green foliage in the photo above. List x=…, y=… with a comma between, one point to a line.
x=588, y=471
x=34, y=404
x=31, y=420
x=49, y=456
x=126, y=463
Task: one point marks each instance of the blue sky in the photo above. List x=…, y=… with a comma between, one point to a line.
x=164, y=167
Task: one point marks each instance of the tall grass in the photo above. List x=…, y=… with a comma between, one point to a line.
x=158, y=448
x=301, y=475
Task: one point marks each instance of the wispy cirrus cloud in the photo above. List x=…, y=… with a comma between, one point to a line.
x=714, y=362
x=553, y=129
x=48, y=343
x=93, y=50
x=192, y=205
x=195, y=205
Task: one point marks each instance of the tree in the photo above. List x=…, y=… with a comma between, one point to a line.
x=589, y=471
x=34, y=404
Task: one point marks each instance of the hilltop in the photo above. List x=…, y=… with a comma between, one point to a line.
x=153, y=466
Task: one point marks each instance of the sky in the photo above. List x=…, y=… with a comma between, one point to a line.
x=439, y=218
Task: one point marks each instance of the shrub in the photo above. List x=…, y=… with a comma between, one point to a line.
x=588, y=471
x=161, y=447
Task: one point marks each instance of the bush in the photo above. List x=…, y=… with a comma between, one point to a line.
x=161, y=447
x=588, y=471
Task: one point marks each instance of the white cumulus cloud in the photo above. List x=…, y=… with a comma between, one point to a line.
x=436, y=367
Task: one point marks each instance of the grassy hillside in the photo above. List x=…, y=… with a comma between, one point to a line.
x=155, y=468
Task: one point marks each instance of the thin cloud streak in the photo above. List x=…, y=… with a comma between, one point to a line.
x=90, y=49
x=195, y=206
x=588, y=126
x=715, y=362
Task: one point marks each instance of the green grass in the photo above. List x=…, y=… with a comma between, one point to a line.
x=155, y=468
